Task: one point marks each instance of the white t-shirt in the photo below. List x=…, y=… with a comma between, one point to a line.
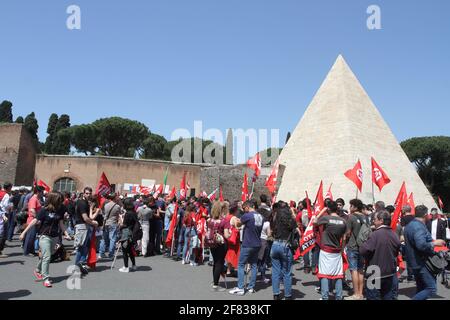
x=434, y=225
x=265, y=230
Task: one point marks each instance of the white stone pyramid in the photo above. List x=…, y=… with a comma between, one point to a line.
x=340, y=126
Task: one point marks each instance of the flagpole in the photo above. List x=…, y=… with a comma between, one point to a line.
x=373, y=194
x=356, y=192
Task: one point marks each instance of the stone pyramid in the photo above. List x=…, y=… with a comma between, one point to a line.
x=340, y=126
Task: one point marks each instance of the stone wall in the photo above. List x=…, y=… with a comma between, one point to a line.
x=231, y=179
x=17, y=155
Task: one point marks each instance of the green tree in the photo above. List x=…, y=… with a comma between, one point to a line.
x=51, y=131
x=153, y=147
x=19, y=119
x=61, y=142
x=431, y=156
x=182, y=146
x=31, y=124
x=6, y=112
x=82, y=138
x=269, y=156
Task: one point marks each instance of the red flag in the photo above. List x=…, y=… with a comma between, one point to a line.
x=329, y=195
x=402, y=199
x=44, y=185
x=271, y=182
x=308, y=240
x=158, y=191
x=92, y=258
x=173, y=223
x=379, y=177
x=183, y=187
x=173, y=193
x=441, y=204
x=255, y=164
x=411, y=204
x=103, y=186
x=212, y=195
x=245, y=188
x=356, y=175
x=221, y=194
x=308, y=206
x=145, y=190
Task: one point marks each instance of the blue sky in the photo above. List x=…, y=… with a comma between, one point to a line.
x=230, y=63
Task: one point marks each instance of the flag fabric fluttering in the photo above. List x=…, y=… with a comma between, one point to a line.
x=412, y=204
x=173, y=224
x=183, y=189
x=165, y=177
x=379, y=177
x=158, y=191
x=255, y=164
x=44, y=185
x=356, y=175
x=245, y=188
x=402, y=199
x=212, y=195
x=103, y=188
x=173, y=193
x=441, y=204
x=271, y=182
x=221, y=194
x=329, y=195
x=308, y=240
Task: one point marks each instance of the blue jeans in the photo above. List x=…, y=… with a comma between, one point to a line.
x=109, y=239
x=386, y=291
x=83, y=251
x=426, y=284
x=29, y=242
x=188, y=234
x=11, y=224
x=248, y=255
x=355, y=260
x=282, y=260
x=325, y=288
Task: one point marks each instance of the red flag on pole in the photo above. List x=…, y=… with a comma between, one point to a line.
x=221, y=194
x=411, y=204
x=44, y=185
x=356, y=175
x=308, y=240
x=103, y=188
x=402, y=199
x=158, y=191
x=271, y=182
x=173, y=224
x=173, y=193
x=329, y=195
x=255, y=164
x=379, y=177
x=183, y=187
x=441, y=204
x=245, y=188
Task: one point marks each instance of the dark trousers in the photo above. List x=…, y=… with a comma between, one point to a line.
x=385, y=292
x=11, y=224
x=218, y=254
x=127, y=252
x=156, y=227
x=28, y=244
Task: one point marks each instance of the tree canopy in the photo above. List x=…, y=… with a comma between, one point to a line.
x=6, y=112
x=431, y=156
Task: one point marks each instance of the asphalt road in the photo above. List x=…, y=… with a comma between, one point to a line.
x=157, y=278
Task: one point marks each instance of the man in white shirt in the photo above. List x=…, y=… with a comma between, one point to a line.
x=436, y=226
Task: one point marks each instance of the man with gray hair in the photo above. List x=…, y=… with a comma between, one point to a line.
x=379, y=206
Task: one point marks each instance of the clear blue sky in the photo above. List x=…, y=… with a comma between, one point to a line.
x=231, y=63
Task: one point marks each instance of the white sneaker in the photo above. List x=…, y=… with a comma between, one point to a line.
x=133, y=268
x=183, y=261
x=251, y=290
x=237, y=291
x=194, y=264
x=123, y=269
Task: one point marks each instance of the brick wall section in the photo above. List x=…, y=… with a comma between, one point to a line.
x=17, y=155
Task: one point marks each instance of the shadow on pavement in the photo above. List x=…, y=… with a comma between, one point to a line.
x=15, y=294
x=4, y=263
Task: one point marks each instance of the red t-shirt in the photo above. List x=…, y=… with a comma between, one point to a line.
x=35, y=204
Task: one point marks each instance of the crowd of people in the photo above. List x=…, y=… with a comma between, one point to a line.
x=236, y=238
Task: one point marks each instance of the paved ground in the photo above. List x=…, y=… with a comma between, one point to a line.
x=156, y=278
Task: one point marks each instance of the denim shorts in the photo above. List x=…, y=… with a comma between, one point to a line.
x=355, y=260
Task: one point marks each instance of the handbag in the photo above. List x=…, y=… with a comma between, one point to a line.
x=436, y=263
x=293, y=240
x=233, y=239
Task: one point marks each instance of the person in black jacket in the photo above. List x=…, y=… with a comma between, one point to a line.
x=381, y=251
x=127, y=225
x=436, y=226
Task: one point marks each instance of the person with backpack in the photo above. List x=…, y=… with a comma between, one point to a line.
x=355, y=222
x=419, y=249
x=215, y=241
x=111, y=211
x=129, y=227
x=251, y=243
x=381, y=250
x=51, y=219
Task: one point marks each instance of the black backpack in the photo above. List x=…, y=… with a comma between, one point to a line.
x=137, y=232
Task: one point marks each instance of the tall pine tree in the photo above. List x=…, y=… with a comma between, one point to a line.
x=6, y=112
x=51, y=131
x=31, y=124
x=61, y=142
